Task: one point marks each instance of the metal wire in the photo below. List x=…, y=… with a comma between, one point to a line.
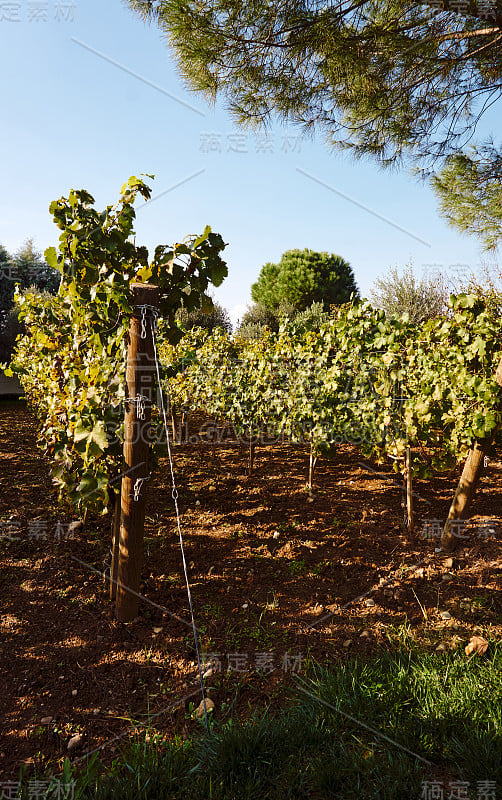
x=175, y=501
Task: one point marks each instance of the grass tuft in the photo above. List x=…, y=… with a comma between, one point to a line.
x=444, y=708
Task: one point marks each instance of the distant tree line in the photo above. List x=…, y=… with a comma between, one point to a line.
x=217, y=318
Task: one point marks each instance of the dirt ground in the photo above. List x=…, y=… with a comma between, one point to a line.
x=276, y=578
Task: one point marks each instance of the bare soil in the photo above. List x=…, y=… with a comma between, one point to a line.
x=275, y=577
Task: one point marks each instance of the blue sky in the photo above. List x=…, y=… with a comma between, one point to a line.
x=79, y=111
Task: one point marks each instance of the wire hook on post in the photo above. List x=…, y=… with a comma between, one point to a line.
x=144, y=308
x=138, y=485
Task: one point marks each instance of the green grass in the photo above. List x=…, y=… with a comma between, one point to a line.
x=446, y=709
x=296, y=567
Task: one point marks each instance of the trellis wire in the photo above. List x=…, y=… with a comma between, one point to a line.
x=175, y=500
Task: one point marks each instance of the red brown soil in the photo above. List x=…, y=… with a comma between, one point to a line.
x=264, y=564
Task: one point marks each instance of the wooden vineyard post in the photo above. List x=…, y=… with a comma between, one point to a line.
x=174, y=421
x=468, y=482
x=312, y=466
x=185, y=411
x=252, y=449
x=465, y=492
x=179, y=423
x=115, y=544
x=140, y=385
x=409, y=489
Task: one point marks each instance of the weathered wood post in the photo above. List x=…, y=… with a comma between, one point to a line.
x=252, y=448
x=468, y=482
x=116, y=504
x=174, y=422
x=140, y=386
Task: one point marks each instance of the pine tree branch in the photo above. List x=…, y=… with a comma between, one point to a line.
x=482, y=49
x=459, y=35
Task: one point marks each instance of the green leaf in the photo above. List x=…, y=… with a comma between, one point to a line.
x=491, y=421
x=218, y=273
x=206, y=305
x=51, y=257
x=202, y=237
x=479, y=346
x=98, y=436
x=466, y=300
x=133, y=181
x=87, y=485
x=81, y=432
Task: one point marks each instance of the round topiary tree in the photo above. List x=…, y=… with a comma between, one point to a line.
x=303, y=277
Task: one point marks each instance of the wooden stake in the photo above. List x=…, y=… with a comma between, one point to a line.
x=184, y=424
x=409, y=489
x=465, y=491
x=174, y=423
x=115, y=544
x=252, y=448
x=312, y=465
x=469, y=480
x=140, y=380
